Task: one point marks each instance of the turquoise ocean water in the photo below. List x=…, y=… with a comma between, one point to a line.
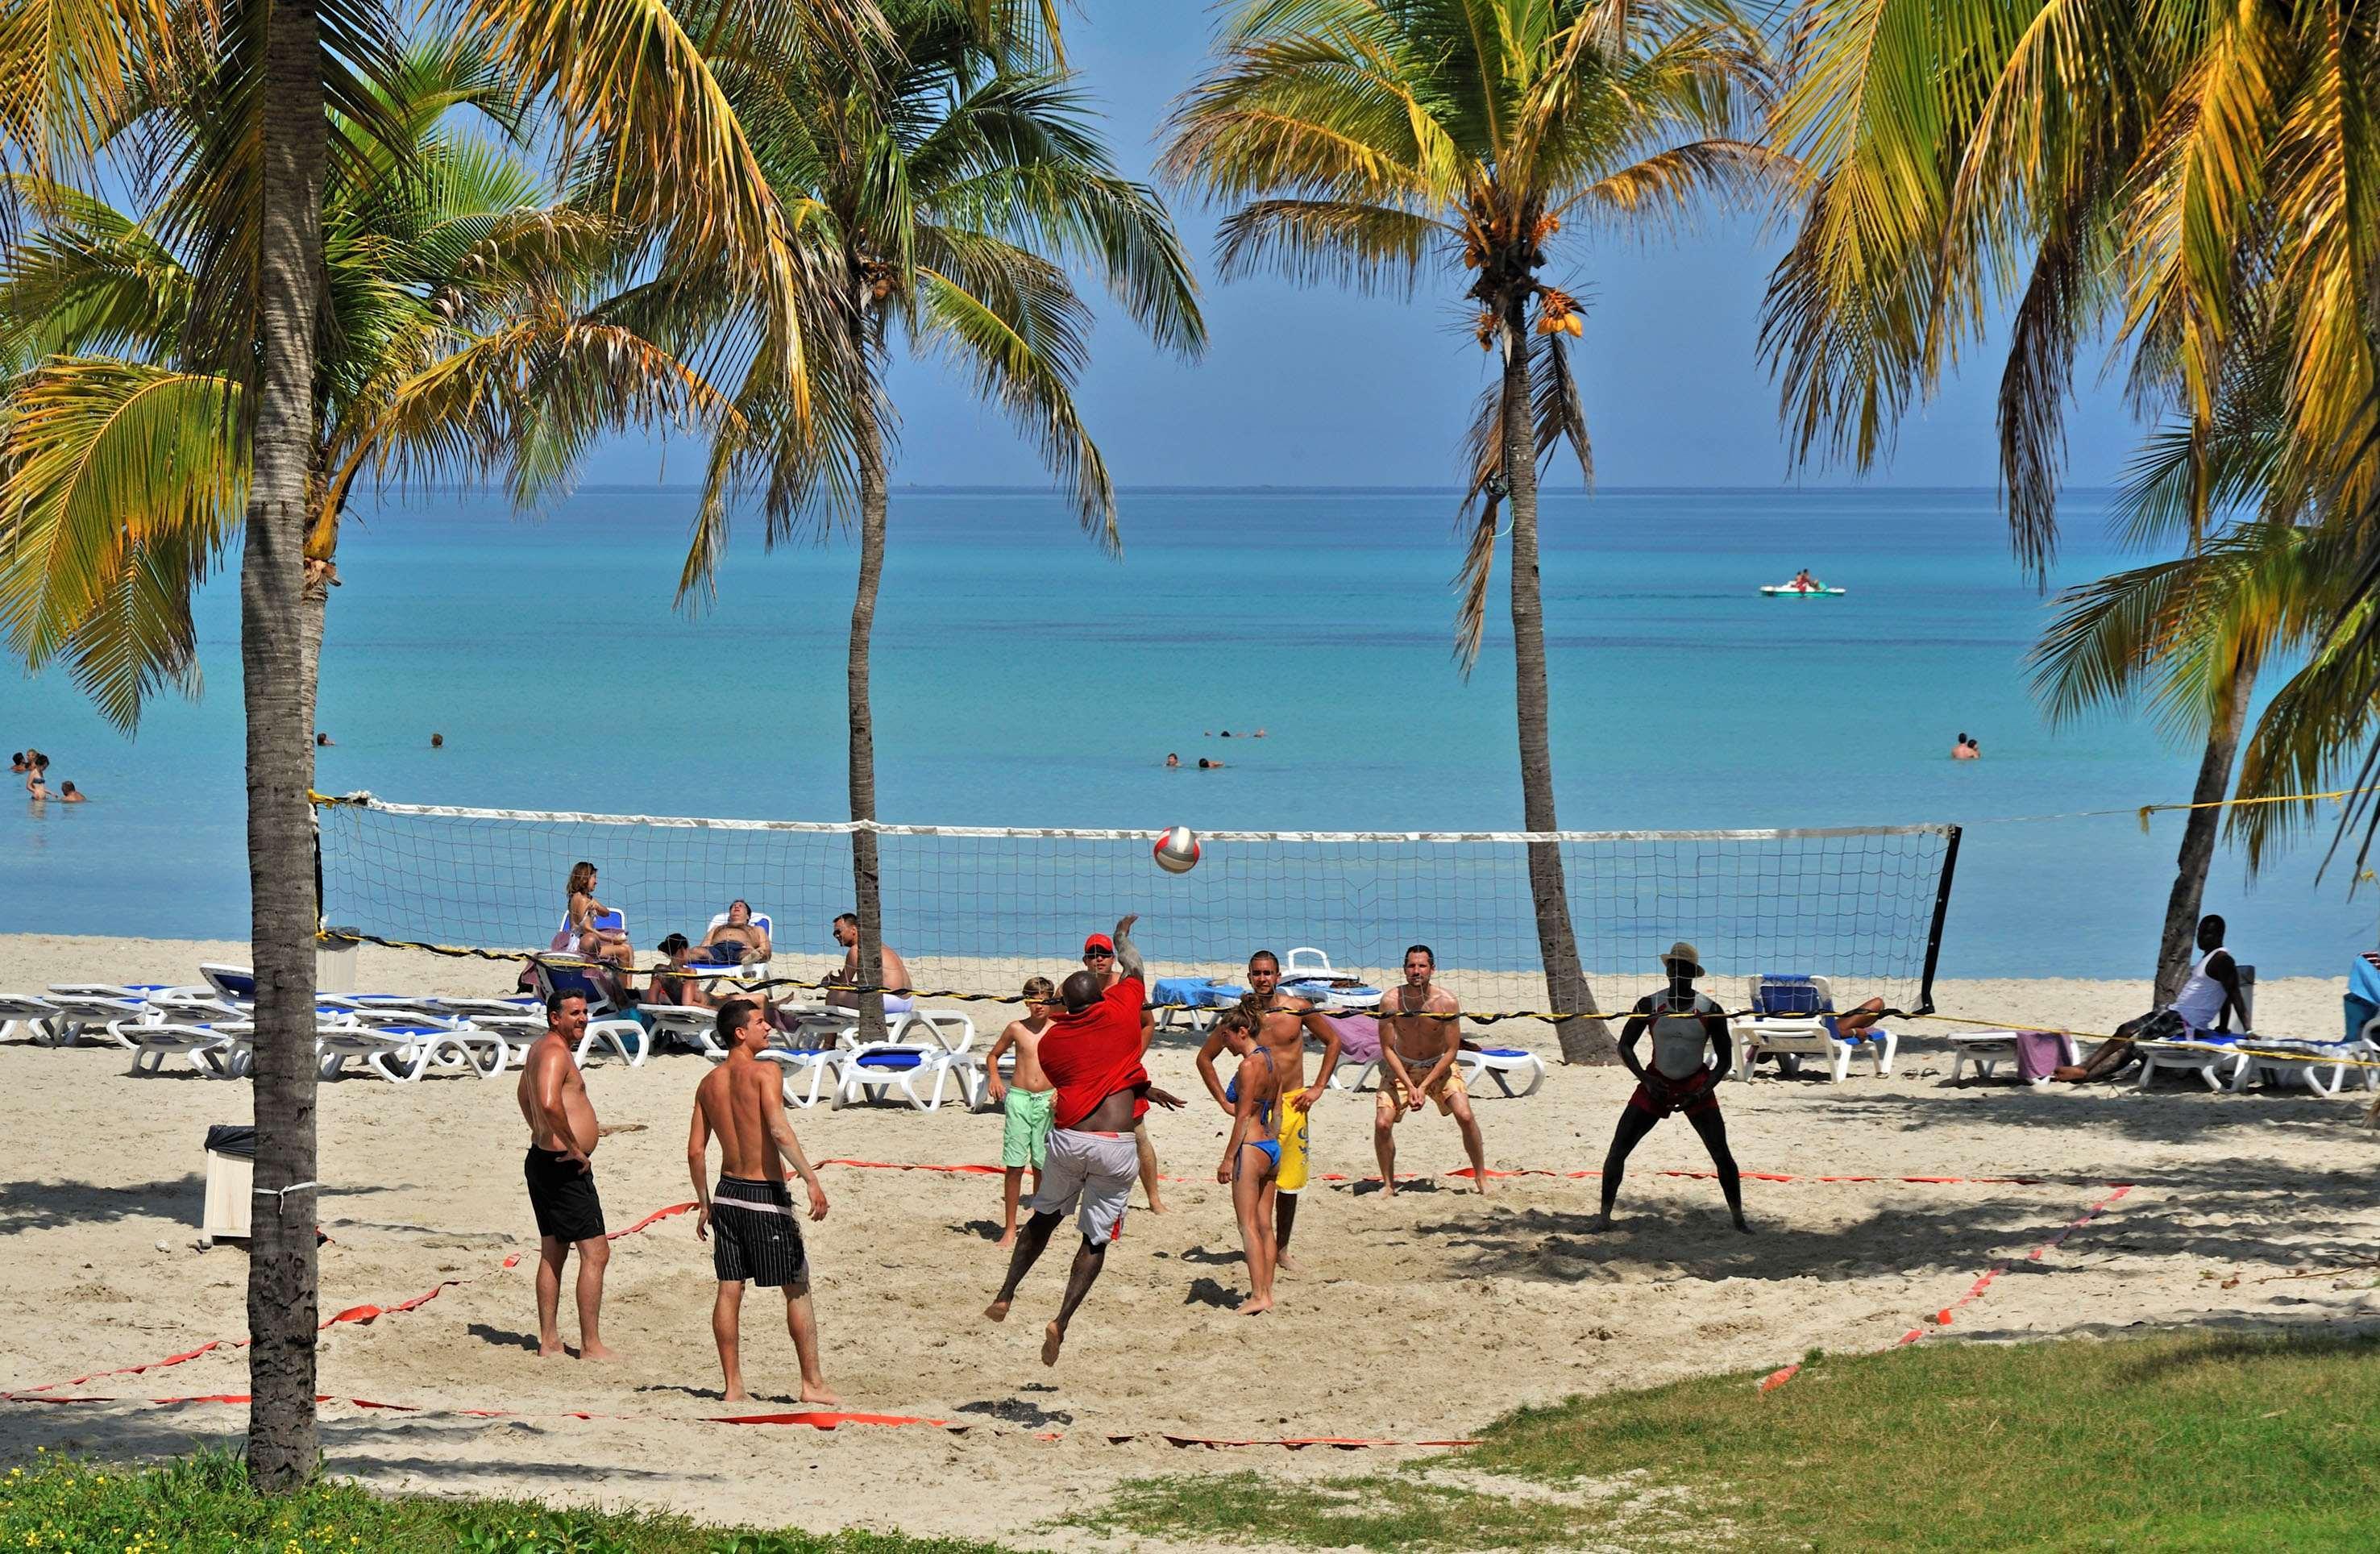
x=1023, y=679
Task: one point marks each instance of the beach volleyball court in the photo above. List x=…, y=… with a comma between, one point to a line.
x=1419, y=1320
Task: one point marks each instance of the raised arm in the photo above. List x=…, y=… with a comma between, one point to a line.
x=1128, y=961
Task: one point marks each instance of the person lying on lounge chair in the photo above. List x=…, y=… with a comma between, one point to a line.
x=2209, y=995
x=735, y=941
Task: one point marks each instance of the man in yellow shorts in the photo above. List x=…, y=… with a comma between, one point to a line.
x=1283, y=1022
x=1420, y=1034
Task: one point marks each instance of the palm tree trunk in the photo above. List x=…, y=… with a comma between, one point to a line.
x=864, y=874
x=1583, y=1040
x=279, y=694
x=2175, y=949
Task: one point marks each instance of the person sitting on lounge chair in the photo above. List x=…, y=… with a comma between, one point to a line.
x=896, y=971
x=736, y=941
x=683, y=991
x=609, y=945
x=2209, y=995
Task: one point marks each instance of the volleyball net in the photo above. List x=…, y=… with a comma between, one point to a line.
x=975, y=910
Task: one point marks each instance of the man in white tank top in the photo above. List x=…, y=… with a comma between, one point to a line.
x=1687, y=1027
x=2209, y=996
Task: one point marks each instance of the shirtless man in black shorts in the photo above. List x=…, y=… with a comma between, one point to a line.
x=759, y=1240
x=1685, y=1027
x=562, y=1134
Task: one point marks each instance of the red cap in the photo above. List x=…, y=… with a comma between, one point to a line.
x=1099, y=942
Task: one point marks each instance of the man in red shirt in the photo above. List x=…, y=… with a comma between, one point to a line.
x=1092, y=1056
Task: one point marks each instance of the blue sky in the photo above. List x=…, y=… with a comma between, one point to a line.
x=1316, y=386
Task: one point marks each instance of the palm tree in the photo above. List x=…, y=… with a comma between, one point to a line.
x=1370, y=138
x=949, y=186
x=467, y=335
x=255, y=87
x=2190, y=636
x=2195, y=182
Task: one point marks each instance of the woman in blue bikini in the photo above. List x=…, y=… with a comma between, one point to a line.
x=1252, y=1155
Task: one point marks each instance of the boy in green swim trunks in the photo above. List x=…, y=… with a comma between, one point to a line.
x=1027, y=1102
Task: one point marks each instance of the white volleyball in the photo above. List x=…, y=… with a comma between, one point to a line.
x=1177, y=850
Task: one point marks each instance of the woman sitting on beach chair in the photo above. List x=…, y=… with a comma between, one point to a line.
x=583, y=932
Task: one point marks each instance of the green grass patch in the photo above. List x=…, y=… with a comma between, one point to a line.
x=202, y=1503
x=2172, y=1442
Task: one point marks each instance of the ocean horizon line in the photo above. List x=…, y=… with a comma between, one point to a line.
x=967, y=489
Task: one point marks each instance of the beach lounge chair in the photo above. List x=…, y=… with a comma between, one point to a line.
x=607, y=1025
x=1193, y=1001
x=205, y=1046
x=923, y=1045
x=1500, y=1064
x=1793, y=1015
x=806, y=1070
x=760, y=920
x=2212, y=1055
x=1990, y=1049
x=80, y=1005
x=23, y=1013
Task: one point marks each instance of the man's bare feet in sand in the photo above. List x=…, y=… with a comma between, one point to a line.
x=1007, y=1239
x=1600, y=1222
x=1479, y=1182
x=997, y=1311
x=819, y=1392
x=1154, y=1207
x=1254, y=1307
x=597, y=1351
x=1284, y=1263
x=739, y=1396
x=547, y=1348
x=1741, y=1226
x=1052, y=1338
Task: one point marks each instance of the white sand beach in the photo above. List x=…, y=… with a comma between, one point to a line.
x=1418, y=1318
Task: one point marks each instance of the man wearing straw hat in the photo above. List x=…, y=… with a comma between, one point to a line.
x=1687, y=1028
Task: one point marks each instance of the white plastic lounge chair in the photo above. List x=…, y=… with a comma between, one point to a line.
x=2214, y=1060
x=806, y=1070
x=1792, y=1019
x=233, y=984
x=2325, y=1067
x=80, y=1005
x=1990, y=1049
x=1500, y=1064
x=206, y=1047
x=22, y=1014
x=923, y=1045
x=760, y=920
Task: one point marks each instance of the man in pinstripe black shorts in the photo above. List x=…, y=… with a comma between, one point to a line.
x=758, y=1240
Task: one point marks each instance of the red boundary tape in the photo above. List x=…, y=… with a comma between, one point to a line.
x=1943, y=1318
x=820, y=1420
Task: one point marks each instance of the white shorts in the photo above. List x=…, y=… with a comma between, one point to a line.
x=1096, y=1168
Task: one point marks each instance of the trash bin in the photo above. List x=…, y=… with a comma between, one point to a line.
x=231, y=1183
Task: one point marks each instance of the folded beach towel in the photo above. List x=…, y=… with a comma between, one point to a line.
x=1359, y=1038
x=2038, y=1054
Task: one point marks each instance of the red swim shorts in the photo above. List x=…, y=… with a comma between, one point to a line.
x=1696, y=1093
